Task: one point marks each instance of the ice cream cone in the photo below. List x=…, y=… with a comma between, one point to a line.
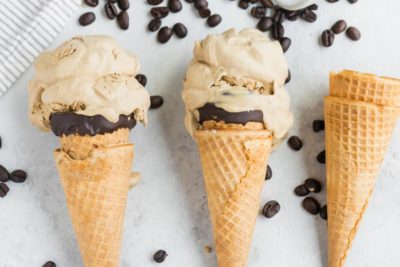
x=357, y=137
x=95, y=173
x=234, y=166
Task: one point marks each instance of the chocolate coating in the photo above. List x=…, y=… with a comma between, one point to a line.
x=67, y=123
x=211, y=112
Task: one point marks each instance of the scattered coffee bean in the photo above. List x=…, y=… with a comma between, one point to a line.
x=189, y=1
x=87, y=18
x=3, y=190
x=292, y=15
x=4, y=174
x=295, y=143
x=142, y=79
x=339, y=27
x=175, y=5
x=200, y=4
x=313, y=7
x=123, y=4
x=279, y=17
x=327, y=38
x=265, y=24
x=352, y=1
x=318, y=125
x=271, y=208
x=160, y=256
x=110, y=10
x=313, y=185
x=332, y=1
x=159, y=12
x=113, y=1
x=123, y=20
x=49, y=264
x=243, y=4
x=268, y=175
x=204, y=12
x=154, y=2
x=289, y=77
x=267, y=3
x=92, y=3
x=353, y=33
x=154, y=25
x=278, y=31
x=321, y=158
x=1, y=142
x=311, y=205
x=214, y=20
x=301, y=191
x=18, y=176
x=323, y=213
x=180, y=30
x=156, y=101
x=309, y=16
x=285, y=43
x=258, y=12
x=164, y=34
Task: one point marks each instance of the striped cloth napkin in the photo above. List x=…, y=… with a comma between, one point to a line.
x=27, y=27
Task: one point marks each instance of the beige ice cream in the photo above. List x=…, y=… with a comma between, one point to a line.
x=239, y=71
x=88, y=75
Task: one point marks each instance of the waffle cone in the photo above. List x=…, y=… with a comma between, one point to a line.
x=357, y=137
x=95, y=174
x=234, y=166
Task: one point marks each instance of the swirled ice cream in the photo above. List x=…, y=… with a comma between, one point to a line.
x=238, y=77
x=87, y=86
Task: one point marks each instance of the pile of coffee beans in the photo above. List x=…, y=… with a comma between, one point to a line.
x=160, y=256
x=112, y=9
x=328, y=36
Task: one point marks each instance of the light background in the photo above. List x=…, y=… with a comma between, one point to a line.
x=168, y=210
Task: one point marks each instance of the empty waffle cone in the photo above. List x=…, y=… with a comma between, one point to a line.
x=365, y=87
x=234, y=166
x=95, y=173
x=357, y=137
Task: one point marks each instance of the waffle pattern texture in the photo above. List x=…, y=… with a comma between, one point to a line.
x=95, y=173
x=358, y=132
x=234, y=166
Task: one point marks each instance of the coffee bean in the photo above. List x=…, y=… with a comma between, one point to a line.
x=142, y=79
x=321, y=158
x=180, y=30
x=339, y=27
x=113, y=1
x=160, y=256
x=295, y=143
x=175, y=5
x=189, y=1
x=92, y=3
x=318, y=125
x=204, y=12
x=353, y=33
x=4, y=174
x=154, y=2
x=323, y=213
x=123, y=20
x=312, y=7
x=327, y=38
x=308, y=15
x=265, y=24
x=123, y=4
x=3, y=190
x=289, y=77
x=285, y=43
x=271, y=208
x=267, y=3
x=301, y=191
x=159, y=12
x=87, y=18
x=258, y=12
x=154, y=25
x=243, y=4
x=279, y=17
x=268, y=175
x=352, y=1
x=164, y=34
x=156, y=101
x=49, y=264
x=110, y=10
x=311, y=205
x=251, y=1
x=277, y=31
x=332, y=1
x=292, y=15
x=214, y=20
x=1, y=142
x=313, y=185
x=200, y=4
x=18, y=176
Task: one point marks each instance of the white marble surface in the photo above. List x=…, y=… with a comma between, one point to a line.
x=168, y=209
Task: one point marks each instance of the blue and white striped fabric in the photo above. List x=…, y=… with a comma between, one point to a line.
x=27, y=27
